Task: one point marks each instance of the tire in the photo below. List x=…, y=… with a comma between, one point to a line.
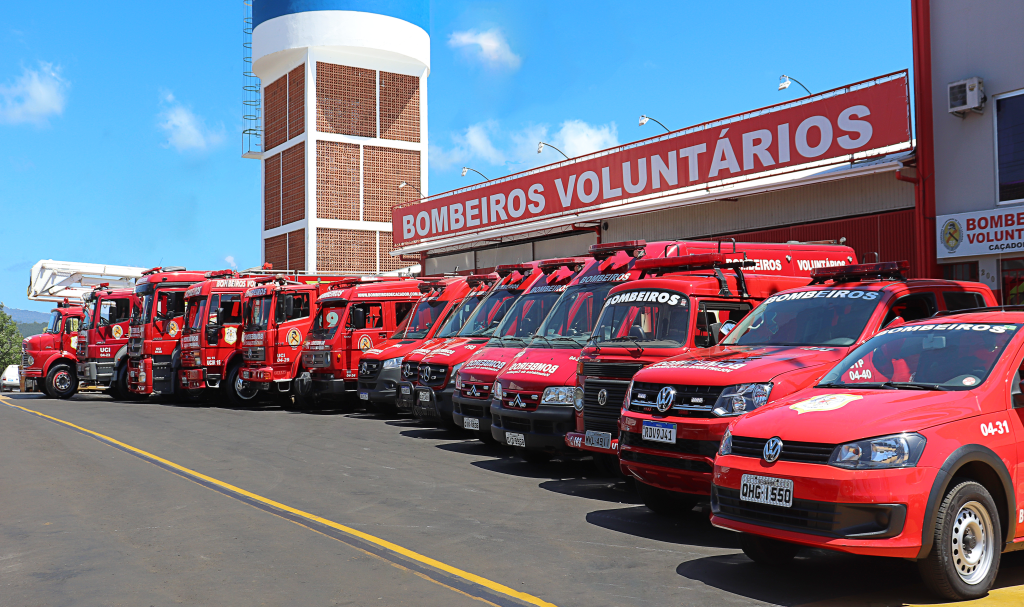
x=235, y=393
x=767, y=551
x=966, y=545
x=665, y=503
x=121, y=391
x=61, y=382
x=537, y=458
x=41, y=385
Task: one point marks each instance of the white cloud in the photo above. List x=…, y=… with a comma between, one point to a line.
x=578, y=137
x=231, y=262
x=472, y=144
x=34, y=96
x=490, y=47
x=185, y=130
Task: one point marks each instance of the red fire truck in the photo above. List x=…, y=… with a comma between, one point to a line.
x=211, y=346
x=48, y=360
x=627, y=341
x=352, y=318
x=676, y=411
x=154, y=352
x=446, y=303
x=103, y=339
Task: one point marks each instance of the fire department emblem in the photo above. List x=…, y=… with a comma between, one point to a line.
x=74, y=342
x=230, y=335
x=172, y=328
x=952, y=235
x=824, y=402
x=294, y=338
x=117, y=331
x=365, y=343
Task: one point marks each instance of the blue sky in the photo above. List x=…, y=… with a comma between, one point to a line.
x=120, y=126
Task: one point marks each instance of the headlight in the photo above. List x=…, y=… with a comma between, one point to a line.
x=393, y=363
x=741, y=398
x=578, y=398
x=458, y=381
x=629, y=395
x=560, y=395
x=726, y=447
x=893, y=451
x=496, y=390
x=31, y=361
x=455, y=373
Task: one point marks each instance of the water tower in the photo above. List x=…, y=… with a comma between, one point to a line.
x=342, y=102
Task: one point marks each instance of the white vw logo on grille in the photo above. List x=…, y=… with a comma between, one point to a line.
x=772, y=449
x=666, y=398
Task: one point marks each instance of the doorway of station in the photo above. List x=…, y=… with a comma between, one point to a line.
x=1012, y=271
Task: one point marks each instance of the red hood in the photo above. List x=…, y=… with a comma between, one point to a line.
x=417, y=353
x=833, y=416
x=483, y=366
x=539, y=368
x=394, y=348
x=453, y=351
x=727, y=365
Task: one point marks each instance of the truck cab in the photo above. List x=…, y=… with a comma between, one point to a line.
x=719, y=289
x=154, y=341
x=676, y=411
x=380, y=368
x=49, y=360
x=352, y=318
x=103, y=339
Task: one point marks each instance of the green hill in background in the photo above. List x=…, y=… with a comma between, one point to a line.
x=28, y=329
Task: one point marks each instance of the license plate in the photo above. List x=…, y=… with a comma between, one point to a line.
x=601, y=440
x=514, y=439
x=364, y=396
x=659, y=432
x=470, y=423
x=424, y=397
x=767, y=490
x=406, y=390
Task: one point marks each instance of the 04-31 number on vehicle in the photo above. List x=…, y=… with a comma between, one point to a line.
x=999, y=427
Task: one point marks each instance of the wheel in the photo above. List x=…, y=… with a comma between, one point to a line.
x=967, y=542
x=61, y=382
x=665, y=503
x=121, y=391
x=237, y=391
x=41, y=384
x=533, y=457
x=766, y=551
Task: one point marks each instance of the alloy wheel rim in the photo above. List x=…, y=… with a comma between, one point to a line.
x=62, y=381
x=973, y=543
x=241, y=390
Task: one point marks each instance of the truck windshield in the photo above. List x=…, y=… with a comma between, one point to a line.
x=647, y=318
x=457, y=319
x=88, y=309
x=571, y=321
x=488, y=314
x=325, y=325
x=525, y=317
x=934, y=356
x=145, y=291
x=53, y=326
x=824, y=317
x=257, y=313
x=418, y=324
x=196, y=316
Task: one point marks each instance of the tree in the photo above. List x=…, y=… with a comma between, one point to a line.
x=10, y=340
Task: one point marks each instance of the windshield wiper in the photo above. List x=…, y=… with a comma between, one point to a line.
x=909, y=385
x=629, y=339
x=832, y=385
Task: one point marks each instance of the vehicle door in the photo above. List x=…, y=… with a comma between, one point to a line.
x=1015, y=404
x=714, y=319
x=224, y=326
x=169, y=315
x=365, y=328
x=291, y=320
x=112, y=324
x=962, y=300
x=69, y=337
x=915, y=306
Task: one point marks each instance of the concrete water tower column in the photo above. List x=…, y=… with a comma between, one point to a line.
x=344, y=94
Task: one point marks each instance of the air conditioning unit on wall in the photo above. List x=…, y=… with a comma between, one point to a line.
x=967, y=95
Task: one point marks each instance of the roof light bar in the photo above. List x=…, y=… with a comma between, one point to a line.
x=152, y=271
x=475, y=280
x=893, y=270
x=553, y=265
x=635, y=248
x=505, y=270
x=430, y=287
x=682, y=263
x=102, y=285
x=219, y=273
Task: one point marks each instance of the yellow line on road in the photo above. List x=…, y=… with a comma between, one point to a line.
x=366, y=537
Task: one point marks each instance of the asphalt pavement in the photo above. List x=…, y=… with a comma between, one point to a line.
x=114, y=503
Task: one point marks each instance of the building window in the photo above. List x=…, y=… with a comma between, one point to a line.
x=1013, y=281
x=1010, y=147
x=961, y=271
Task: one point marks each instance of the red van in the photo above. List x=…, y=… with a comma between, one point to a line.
x=677, y=410
x=911, y=447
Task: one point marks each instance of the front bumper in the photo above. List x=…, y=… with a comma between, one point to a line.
x=258, y=375
x=542, y=429
x=197, y=379
x=332, y=387
x=478, y=409
x=383, y=389
x=869, y=512
x=431, y=404
x=578, y=440
x=685, y=466
x=96, y=373
x=140, y=375
x=405, y=396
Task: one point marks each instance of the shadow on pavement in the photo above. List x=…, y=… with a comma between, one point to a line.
x=690, y=529
x=595, y=488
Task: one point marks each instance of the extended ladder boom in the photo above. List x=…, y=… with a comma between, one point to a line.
x=54, y=280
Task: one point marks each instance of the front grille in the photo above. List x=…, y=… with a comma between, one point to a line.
x=473, y=410
x=135, y=347
x=517, y=424
x=24, y=358
x=689, y=400
x=792, y=451
x=254, y=354
x=369, y=369
x=481, y=391
x=603, y=418
x=528, y=401
x=410, y=371
x=665, y=462
x=433, y=375
x=616, y=370
x=316, y=360
x=706, y=448
x=804, y=515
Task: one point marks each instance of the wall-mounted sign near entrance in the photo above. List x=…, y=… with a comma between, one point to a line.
x=980, y=233
x=833, y=125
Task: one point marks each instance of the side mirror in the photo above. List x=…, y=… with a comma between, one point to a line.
x=212, y=335
x=714, y=333
x=896, y=322
x=726, y=329
x=289, y=305
x=358, y=317
x=1016, y=393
